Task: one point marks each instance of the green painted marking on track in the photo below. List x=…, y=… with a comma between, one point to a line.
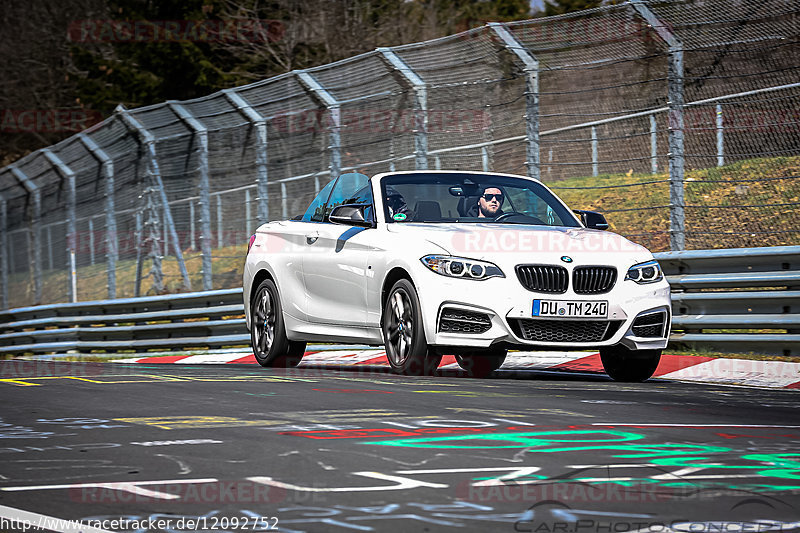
x=522, y=440
x=622, y=445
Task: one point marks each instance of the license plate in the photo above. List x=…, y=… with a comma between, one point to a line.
x=570, y=309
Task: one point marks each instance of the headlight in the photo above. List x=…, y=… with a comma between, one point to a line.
x=461, y=267
x=648, y=272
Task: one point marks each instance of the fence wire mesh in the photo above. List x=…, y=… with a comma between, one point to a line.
x=679, y=120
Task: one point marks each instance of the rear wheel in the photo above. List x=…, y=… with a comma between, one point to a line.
x=622, y=364
x=403, y=333
x=268, y=333
x=481, y=364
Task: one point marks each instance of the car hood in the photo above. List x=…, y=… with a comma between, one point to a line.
x=522, y=243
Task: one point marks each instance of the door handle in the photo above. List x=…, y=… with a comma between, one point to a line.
x=311, y=239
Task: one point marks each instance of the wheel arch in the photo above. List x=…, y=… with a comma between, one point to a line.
x=260, y=276
x=392, y=277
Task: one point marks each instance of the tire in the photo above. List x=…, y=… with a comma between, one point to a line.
x=404, y=335
x=271, y=346
x=633, y=366
x=481, y=364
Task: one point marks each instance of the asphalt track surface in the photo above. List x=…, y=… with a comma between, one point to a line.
x=244, y=448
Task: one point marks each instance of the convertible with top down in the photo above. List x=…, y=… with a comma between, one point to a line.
x=472, y=264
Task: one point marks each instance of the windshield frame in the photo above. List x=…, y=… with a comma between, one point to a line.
x=380, y=183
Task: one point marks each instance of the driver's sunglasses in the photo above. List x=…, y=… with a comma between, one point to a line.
x=489, y=197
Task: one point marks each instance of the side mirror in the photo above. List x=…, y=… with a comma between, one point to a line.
x=352, y=215
x=592, y=219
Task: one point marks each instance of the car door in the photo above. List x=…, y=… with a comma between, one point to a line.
x=336, y=261
x=285, y=246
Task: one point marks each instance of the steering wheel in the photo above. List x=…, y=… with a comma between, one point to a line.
x=533, y=220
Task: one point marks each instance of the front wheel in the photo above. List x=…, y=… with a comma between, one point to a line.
x=622, y=364
x=481, y=364
x=271, y=346
x=403, y=333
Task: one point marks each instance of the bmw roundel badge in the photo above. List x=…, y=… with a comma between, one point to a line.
x=566, y=259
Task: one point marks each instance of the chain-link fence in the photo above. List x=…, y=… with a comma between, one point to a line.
x=678, y=120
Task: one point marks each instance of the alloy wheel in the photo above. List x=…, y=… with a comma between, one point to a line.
x=401, y=326
x=264, y=321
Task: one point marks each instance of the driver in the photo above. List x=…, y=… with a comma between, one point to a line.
x=489, y=203
x=396, y=204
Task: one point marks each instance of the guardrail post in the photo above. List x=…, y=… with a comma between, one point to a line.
x=35, y=230
x=675, y=102
x=335, y=112
x=420, y=106
x=531, y=69
x=201, y=134
x=112, y=248
x=260, y=124
x=149, y=141
x=720, y=137
x=653, y=145
x=4, y=252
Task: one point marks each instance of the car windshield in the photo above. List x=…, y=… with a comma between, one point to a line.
x=471, y=198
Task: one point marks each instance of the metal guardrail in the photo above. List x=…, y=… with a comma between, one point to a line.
x=200, y=319
x=720, y=290
x=711, y=290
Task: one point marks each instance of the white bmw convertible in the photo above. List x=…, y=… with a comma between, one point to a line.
x=448, y=262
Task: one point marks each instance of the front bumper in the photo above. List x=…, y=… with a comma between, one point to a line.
x=498, y=312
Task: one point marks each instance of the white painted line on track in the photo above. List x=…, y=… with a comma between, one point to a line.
x=133, y=487
x=741, y=372
x=211, y=358
x=26, y=520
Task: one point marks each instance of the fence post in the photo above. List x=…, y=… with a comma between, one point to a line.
x=284, y=202
x=112, y=248
x=260, y=124
x=72, y=232
x=485, y=158
x=720, y=137
x=595, y=163
x=220, y=234
x=192, y=243
x=531, y=70
x=420, y=106
x=675, y=103
x=204, y=186
x=91, y=240
x=335, y=111
x=36, y=195
x=653, y=145
x=4, y=250
x=248, y=219
x=149, y=141
x=49, y=246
